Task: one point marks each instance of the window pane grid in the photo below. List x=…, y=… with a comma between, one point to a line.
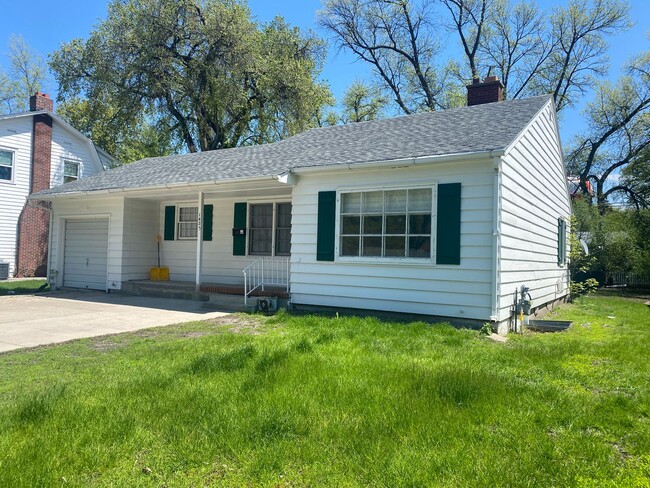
x=188, y=222
x=70, y=171
x=394, y=223
x=6, y=165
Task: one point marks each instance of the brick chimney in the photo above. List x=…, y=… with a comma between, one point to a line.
x=34, y=221
x=41, y=101
x=488, y=91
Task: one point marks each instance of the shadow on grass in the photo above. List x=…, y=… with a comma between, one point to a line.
x=26, y=287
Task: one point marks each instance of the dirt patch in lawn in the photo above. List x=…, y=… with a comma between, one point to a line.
x=240, y=324
x=105, y=345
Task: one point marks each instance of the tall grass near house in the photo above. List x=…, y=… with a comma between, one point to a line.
x=315, y=401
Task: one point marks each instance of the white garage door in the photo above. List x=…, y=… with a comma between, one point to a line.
x=86, y=253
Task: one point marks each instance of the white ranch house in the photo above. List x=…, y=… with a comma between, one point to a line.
x=436, y=214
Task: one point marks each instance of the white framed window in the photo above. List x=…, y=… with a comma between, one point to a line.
x=6, y=165
x=70, y=171
x=188, y=222
x=269, y=231
x=392, y=223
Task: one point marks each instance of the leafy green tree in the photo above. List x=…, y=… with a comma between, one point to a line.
x=636, y=178
x=127, y=136
x=201, y=68
x=362, y=102
x=617, y=239
x=26, y=75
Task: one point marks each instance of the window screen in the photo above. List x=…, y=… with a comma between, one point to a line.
x=261, y=229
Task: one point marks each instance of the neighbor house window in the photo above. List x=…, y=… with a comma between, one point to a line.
x=6, y=165
x=269, y=229
x=188, y=222
x=70, y=171
x=388, y=224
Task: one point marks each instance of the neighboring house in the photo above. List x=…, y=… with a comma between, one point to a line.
x=38, y=150
x=574, y=187
x=439, y=214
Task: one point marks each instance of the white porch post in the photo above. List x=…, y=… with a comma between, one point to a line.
x=199, y=244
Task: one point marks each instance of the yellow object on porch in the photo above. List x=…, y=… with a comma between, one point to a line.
x=159, y=274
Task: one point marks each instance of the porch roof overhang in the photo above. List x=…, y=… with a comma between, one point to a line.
x=234, y=186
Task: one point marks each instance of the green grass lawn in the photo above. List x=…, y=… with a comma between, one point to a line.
x=22, y=286
x=313, y=401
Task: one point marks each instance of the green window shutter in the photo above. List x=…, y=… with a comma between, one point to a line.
x=170, y=222
x=239, y=230
x=448, y=228
x=207, y=222
x=564, y=232
x=561, y=241
x=326, y=226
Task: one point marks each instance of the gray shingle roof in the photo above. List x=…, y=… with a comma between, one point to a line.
x=462, y=130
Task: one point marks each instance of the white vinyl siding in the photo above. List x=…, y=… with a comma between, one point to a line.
x=15, y=136
x=534, y=195
x=409, y=286
x=140, y=242
x=85, y=254
x=69, y=148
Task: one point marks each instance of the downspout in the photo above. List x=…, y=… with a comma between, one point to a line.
x=496, y=241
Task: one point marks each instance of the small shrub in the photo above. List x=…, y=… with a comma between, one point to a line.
x=583, y=287
x=486, y=329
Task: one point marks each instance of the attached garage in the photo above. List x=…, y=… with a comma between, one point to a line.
x=85, y=254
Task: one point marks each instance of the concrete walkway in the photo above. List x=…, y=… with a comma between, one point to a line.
x=34, y=320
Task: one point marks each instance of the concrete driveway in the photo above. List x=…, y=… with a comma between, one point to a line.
x=34, y=320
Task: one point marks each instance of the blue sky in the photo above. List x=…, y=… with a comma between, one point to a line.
x=45, y=25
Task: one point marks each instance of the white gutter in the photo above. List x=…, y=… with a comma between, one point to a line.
x=496, y=240
x=404, y=162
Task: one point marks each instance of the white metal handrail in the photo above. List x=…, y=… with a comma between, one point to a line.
x=273, y=271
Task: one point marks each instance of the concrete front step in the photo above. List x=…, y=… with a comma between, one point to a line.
x=229, y=303
x=214, y=297
x=183, y=291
